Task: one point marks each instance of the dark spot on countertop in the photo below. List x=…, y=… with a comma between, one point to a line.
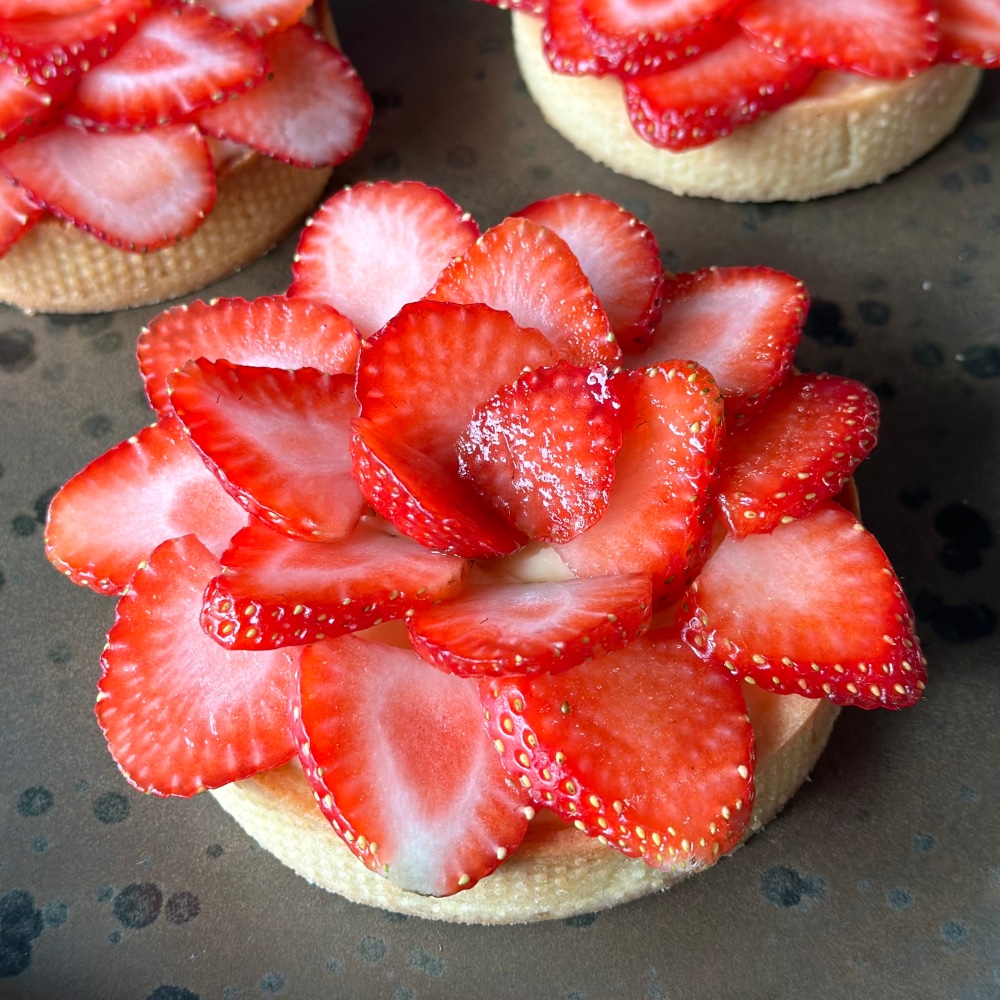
x=20, y=923
x=35, y=801
x=182, y=907
x=138, y=905
x=825, y=325
x=874, y=313
x=17, y=350
x=111, y=808
x=955, y=622
x=981, y=360
x=787, y=889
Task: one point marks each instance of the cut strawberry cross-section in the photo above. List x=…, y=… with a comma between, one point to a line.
x=403, y=768
x=970, y=32
x=525, y=269
x=542, y=450
x=111, y=515
x=27, y=107
x=365, y=232
x=279, y=591
x=742, y=323
x=647, y=748
x=277, y=440
x=273, y=331
x=18, y=212
x=261, y=17
x=180, y=713
x=813, y=608
x=516, y=628
x=657, y=518
x=800, y=448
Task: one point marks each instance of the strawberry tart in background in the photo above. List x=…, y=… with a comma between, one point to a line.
x=755, y=100
x=517, y=587
x=149, y=148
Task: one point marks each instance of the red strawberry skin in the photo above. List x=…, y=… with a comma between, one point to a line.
x=501, y=629
x=112, y=514
x=543, y=449
x=403, y=768
x=657, y=520
x=277, y=591
x=800, y=448
x=647, y=749
x=813, y=608
x=180, y=713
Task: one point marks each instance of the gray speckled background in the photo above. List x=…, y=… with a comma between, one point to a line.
x=882, y=878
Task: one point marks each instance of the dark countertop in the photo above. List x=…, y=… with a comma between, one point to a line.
x=881, y=879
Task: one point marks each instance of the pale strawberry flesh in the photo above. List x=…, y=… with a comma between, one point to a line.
x=970, y=32
x=814, y=609
x=515, y=629
x=648, y=749
x=278, y=591
x=277, y=440
x=257, y=18
x=179, y=712
x=404, y=769
x=112, y=514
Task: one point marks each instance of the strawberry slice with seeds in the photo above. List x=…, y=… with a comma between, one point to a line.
x=970, y=32
x=813, y=608
x=646, y=748
x=798, y=451
x=881, y=38
x=703, y=100
x=566, y=44
x=179, y=712
x=273, y=331
x=44, y=46
x=742, y=323
x=279, y=591
x=542, y=450
x=134, y=190
x=179, y=59
x=527, y=270
x=423, y=375
x=526, y=628
x=27, y=107
x=11, y=10
x=277, y=440
x=657, y=520
x=424, y=500
x=402, y=767
x=257, y=18
x=363, y=233
x=18, y=213
x=618, y=254
x=312, y=111
x=111, y=515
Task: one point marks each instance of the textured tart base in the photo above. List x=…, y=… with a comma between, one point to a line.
x=847, y=131
x=557, y=871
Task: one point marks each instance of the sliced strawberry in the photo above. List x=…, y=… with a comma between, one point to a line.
x=705, y=99
x=525, y=628
x=425, y=500
x=970, y=32
x=257, y=18
x=13, y=9
x=18, y=213
x=798, y=451
x=180, y=59
x=179, y=712
x=813, y=608
x=272, y=331
x=647, y=749
x=657, y=520
x=277, y=440
x=402, y=766
x=278, y=591
x=111, y=515
x=312, y=111
x=44, y=46
x=618, y=254
x=542, y=450
x=566, y=44
x=636, y=37
x=527, y=270
x=365, y=232
x=742, y=323
x=423, y=375
x=27, y=107
x=135, y=190
x=528, y=6
x=883, y=38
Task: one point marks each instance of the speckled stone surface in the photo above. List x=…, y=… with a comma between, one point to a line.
x=883, y=877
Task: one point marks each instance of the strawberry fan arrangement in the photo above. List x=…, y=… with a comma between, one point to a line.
x=694, y=71
x=118, y=116
x=478, y=523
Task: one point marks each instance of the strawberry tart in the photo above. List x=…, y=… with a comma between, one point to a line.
x=755, y=100
x=150, y=147
x=515, y=588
